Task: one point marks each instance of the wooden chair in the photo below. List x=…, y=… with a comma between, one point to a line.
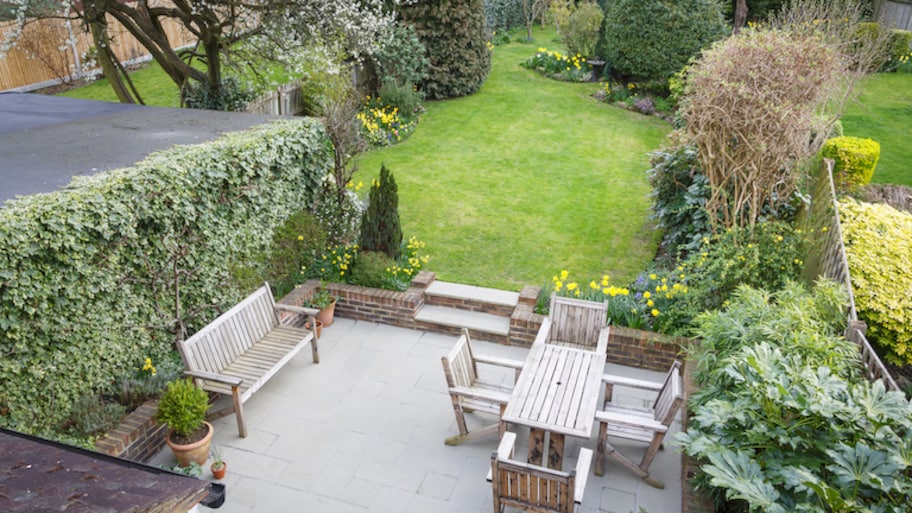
x=575, y=323
x=469, y=392
x=533, y=488
x=649, y=426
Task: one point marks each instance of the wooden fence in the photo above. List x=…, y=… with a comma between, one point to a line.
x=827, y=258
x=54, y=51
x=286, y=100
x=895, y=13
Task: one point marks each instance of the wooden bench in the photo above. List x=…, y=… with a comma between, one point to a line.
x=239, y=351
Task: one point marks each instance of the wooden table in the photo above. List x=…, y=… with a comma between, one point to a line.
x=557, y=393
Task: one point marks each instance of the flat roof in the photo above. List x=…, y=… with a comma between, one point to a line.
x=45, y=141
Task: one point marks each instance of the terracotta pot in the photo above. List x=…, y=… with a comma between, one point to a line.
x=197, y=451
x=219, y=472
x=319, y=327
x=326, y=315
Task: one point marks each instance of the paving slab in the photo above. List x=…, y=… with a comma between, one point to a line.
x=363, y=431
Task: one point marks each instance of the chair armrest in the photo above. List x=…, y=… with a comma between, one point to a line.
x=544, y=332
x=634, y=419
x=601, y=346
x=504, y=451
x=218, y=378
x=500, y=362
x=297, y=309
x=631, y=382
x=481, y=394
x=582, y=474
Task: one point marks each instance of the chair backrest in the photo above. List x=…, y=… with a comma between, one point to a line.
x=576, y=321
x=670, y=397
x=220, y=342
x=459, y=365
x=532, y=488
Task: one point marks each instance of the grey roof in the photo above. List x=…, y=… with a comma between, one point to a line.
x=47, y=140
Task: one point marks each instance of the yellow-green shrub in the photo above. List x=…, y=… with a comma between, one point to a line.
x=878, y=241
x=855, y=160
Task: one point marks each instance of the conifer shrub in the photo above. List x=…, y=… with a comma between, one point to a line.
x=380, y=227
x=855, y=160
x=453, y=32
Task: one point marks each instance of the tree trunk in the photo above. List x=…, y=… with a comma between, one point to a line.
x=740, y=15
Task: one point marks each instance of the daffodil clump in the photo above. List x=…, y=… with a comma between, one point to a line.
x=383, y=125
x=413, y=258
x=333, y=264
x=639, y=305
x=557, y=65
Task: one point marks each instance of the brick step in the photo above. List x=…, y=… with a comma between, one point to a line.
x=495, y=302
x=493, y=328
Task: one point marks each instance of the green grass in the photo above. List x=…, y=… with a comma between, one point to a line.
x=884, y=113
x=155, y=88
x=525, y=178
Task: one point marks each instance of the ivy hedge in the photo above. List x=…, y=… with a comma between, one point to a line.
x=96, y=277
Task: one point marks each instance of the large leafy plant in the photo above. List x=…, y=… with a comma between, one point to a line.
x=783, y=420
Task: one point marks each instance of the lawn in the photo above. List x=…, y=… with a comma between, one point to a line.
x=152, y=83
x=524, y=178
x=884, y=113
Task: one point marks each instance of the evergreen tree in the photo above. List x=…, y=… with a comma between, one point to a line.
x=380, y=228
x=453, y=31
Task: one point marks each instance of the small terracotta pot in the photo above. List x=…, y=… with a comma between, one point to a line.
x=319, y=327
x=326, y=314
x=219, y=472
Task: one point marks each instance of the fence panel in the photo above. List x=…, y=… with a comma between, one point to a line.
x=896, y=13
x=44, y=54
x=827, y=258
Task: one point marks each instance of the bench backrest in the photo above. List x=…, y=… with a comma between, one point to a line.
x=217, y=345
x=459, y=365
x=532, y=488
x=670, y=396
x=576, y=321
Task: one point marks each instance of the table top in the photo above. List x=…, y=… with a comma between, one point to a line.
x=557, y=390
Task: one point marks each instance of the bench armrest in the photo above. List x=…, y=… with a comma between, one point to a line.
x=219, y=378
x=582, y=474
x=297, y=309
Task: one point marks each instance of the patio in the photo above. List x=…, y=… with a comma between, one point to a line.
x=363, y=431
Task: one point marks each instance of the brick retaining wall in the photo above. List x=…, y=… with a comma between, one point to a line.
x=138, y=437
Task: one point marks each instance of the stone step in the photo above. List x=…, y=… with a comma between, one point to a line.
x=456, y=318
x=472, y=298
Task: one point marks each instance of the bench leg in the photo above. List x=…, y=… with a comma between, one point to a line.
x=239, y=411
x=314, y=350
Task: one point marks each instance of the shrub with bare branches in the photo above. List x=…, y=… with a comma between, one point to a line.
x=762, y=101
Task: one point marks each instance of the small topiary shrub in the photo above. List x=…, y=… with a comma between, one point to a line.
x=651, y=41
x=878, y=240
x=855, y=159
x=183, y=406
x=380, y=227
x=402, y=59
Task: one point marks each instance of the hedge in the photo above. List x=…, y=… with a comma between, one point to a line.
x=88, y=274
x=878, y=240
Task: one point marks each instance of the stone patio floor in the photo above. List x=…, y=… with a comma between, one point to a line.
x=363, y=431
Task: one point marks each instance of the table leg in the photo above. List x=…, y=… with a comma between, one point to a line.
x=556, y=451
x=536, y=446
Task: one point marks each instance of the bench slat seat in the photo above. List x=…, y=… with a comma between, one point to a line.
x=243, y=348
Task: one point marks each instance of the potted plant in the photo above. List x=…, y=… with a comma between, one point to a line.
x=182, y=407
x=218, y=467
x=325, y=302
